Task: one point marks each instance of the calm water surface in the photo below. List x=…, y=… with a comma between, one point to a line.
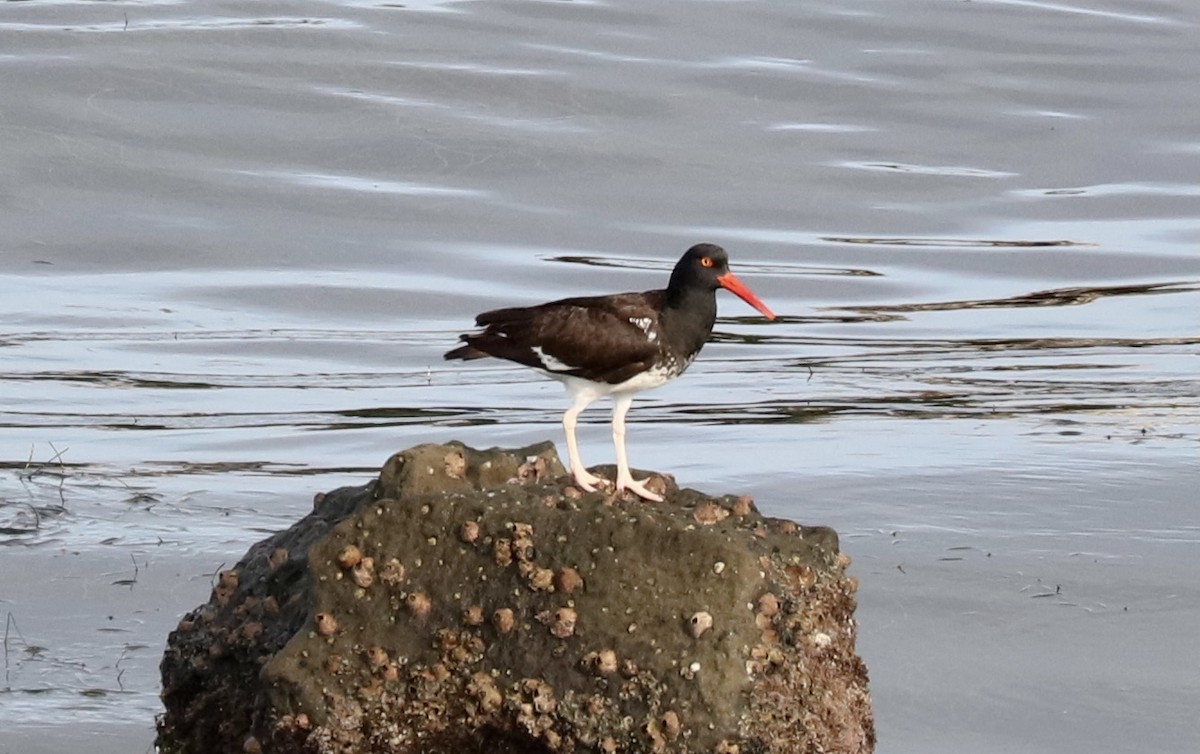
x=236, y=243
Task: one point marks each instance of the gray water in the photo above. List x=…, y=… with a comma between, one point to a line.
x=237, y=239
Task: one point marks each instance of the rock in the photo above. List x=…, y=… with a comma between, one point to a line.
x=511, y=616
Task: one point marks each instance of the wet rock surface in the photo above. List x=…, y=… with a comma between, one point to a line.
x=475, y=601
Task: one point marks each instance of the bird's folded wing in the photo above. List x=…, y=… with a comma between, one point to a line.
x=605, y=339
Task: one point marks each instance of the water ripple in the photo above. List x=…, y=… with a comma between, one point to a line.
x=1083, y=11
x=957, y=171
x=205, y=23
x=1073, y=296
x=360, y=183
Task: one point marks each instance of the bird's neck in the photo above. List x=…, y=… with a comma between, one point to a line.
x=688, y=316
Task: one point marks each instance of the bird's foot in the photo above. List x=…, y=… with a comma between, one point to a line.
x=589, y=481
x=627, y=482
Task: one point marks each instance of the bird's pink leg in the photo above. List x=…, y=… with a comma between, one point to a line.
x=625, y=480
x=584, y=478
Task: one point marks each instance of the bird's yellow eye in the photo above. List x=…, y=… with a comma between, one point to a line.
x=706, y=262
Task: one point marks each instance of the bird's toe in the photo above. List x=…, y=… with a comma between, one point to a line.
x=589, y=481
x=639, y=489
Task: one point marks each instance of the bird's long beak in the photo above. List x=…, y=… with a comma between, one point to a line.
x=730, y=283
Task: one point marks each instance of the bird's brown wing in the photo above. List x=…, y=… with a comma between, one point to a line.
x=604, y=339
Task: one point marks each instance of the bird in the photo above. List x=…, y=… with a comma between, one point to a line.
x=616, y=345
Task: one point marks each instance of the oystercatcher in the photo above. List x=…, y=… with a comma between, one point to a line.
x=613, y=345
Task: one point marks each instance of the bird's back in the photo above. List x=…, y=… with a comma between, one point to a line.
x=599, y=338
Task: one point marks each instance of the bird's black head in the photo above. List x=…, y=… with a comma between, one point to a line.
x=700, y=267
x=705, y=267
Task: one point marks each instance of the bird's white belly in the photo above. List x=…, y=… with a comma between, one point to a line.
x=651, y=378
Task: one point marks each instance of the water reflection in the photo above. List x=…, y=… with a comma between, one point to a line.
x=959, y=171
x=951, y=242
x=1055, y=297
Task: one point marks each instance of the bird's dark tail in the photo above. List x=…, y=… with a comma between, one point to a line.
x=466, y=353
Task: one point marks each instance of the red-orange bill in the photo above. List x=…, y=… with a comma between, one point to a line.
x=730, y=283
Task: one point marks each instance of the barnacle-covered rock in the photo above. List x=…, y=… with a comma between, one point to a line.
x=515, y=614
